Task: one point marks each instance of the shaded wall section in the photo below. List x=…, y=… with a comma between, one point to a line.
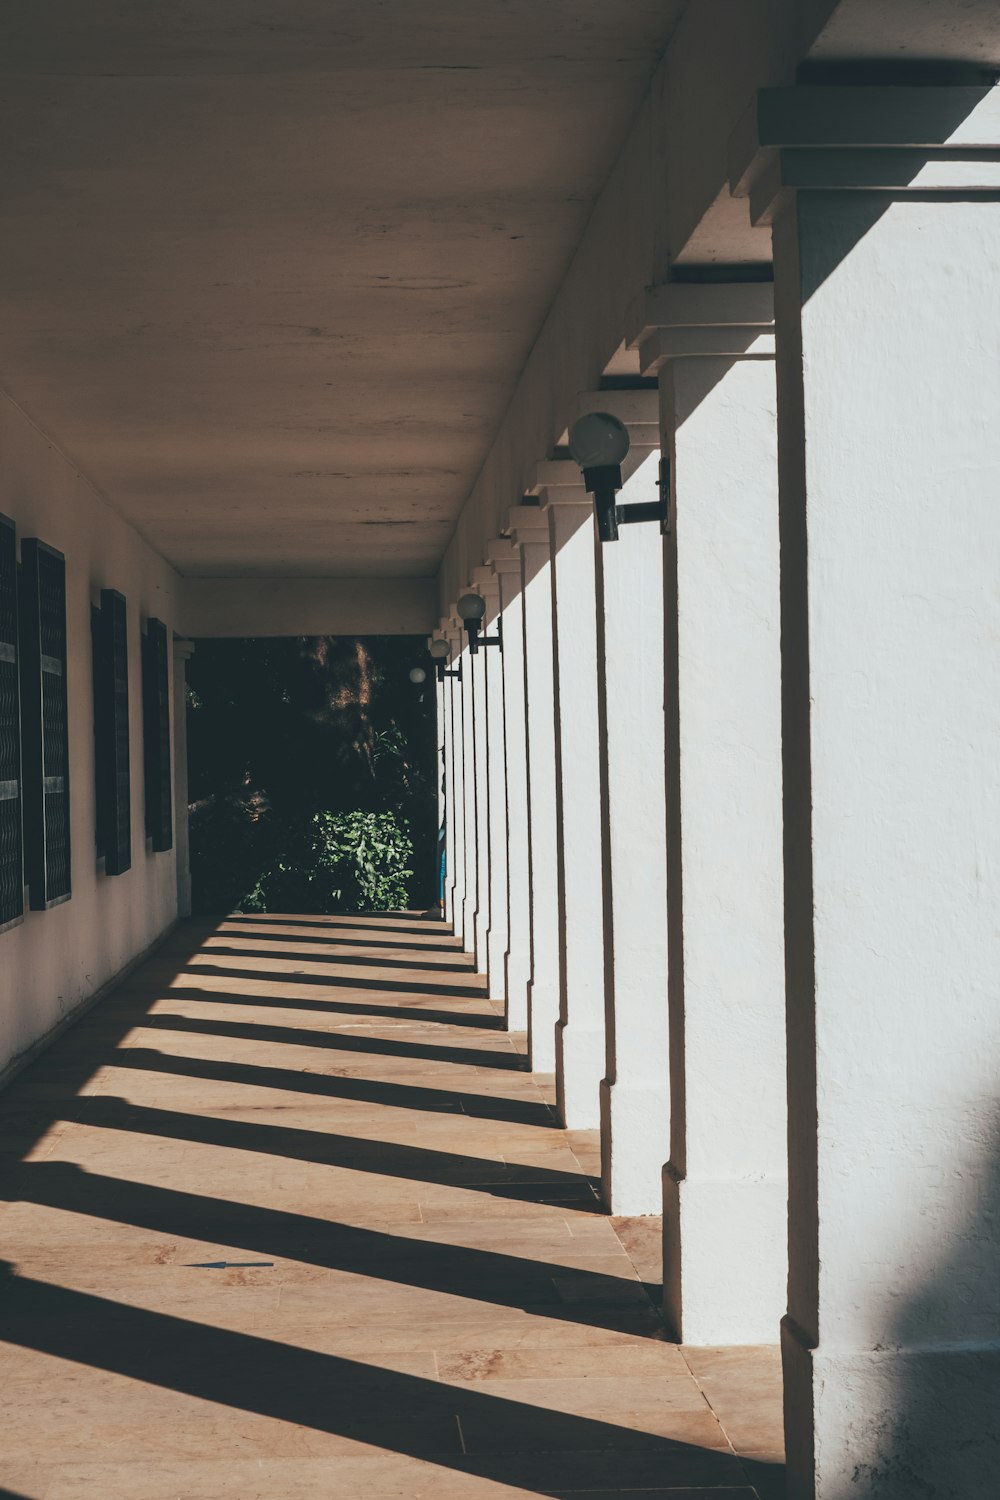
x=55, y=960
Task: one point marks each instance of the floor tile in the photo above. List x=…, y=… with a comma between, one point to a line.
x=285, y=1218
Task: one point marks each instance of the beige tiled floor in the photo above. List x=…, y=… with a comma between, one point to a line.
x=418, y=1294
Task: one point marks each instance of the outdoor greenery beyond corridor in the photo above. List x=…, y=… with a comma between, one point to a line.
x=312, y=774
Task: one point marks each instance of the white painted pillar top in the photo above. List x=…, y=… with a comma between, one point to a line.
x=732, y=320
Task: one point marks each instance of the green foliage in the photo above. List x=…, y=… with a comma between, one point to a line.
x=338, y=862
x=313, y=775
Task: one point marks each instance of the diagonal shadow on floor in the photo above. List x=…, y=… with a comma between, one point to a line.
x=292, y=976
x=279, y=956
x=592, y=1298
x=418, y=1272
x=350, y=1152
x=421, y=949
x=420, y=1097
x=417, y=1013
x=544, y=1451
x=337, y=1041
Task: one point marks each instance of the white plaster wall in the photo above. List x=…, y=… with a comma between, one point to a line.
x=635, y=1114
x=543, y=990
x=725, y=1228
x=890, y=450
x=580, y=1040
x=56, y=959
x=497, y=936
x=517, y=959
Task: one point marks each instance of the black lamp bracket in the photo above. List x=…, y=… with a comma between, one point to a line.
x=605, y=482
x=476, y=640
x=444, y=671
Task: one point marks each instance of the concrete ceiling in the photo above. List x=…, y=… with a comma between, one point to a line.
x=269, y=271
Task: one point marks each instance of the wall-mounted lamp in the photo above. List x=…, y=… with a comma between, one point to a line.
x=417, y=676
x=471, y=609
x=440, y=653
x=600, y=443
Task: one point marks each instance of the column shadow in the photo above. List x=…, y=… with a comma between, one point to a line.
x=348, y=982
x=335, y=1041
x=415, y=1014
x=349, y=1152
x=464, y=1430
x=360, y=1090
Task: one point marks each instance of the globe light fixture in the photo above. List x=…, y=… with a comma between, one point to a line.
x=440, y=653
x=599, y=443
x=471, y=610
x=417, y=675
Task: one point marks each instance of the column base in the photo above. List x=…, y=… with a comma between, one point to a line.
x=580, y=1064
x=725, y=1259
x=517, y=972
x=543, y=1014
x=481, y=936
x=635, y=1138
x=896, y=1424
x=496, y=968
x=465, y=927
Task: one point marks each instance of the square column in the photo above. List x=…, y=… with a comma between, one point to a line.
x=725, y=1186
x=489, y=770
x=504, y=558
x=470, y=859
x=454, y=787
x=887, y=290
x=529, y=530
x=635, y=1094
x=485, y=771
x=442, y=714
x=580, y=1059
x=496, y=936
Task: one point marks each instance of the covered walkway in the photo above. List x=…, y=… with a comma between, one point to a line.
x=286, y=1216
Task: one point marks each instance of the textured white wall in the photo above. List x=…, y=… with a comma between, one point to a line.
x=56, y=959
x=888, y=322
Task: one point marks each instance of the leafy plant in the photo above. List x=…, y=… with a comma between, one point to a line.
x=313, y=774
x=339, y=862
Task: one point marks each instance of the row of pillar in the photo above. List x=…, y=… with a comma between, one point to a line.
x=723, y=815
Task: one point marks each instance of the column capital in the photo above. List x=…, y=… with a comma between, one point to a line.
x=484, y=581
x=526, y=524
x=890, y=139
x=730, y=320
x=183, y=648
x=502, y=557
x=558, y=481
x=635, y=409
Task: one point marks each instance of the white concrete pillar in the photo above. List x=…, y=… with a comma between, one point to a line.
x=505, y=561
x=580, y=1055
x=529, y=530
x=888, y=324
x=470, y=856
x=635, y=1103
x=183, y=651
x=725, y=1188
x=457, y=843
x=445, y=772
x=496, y=935
x=485, y=584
